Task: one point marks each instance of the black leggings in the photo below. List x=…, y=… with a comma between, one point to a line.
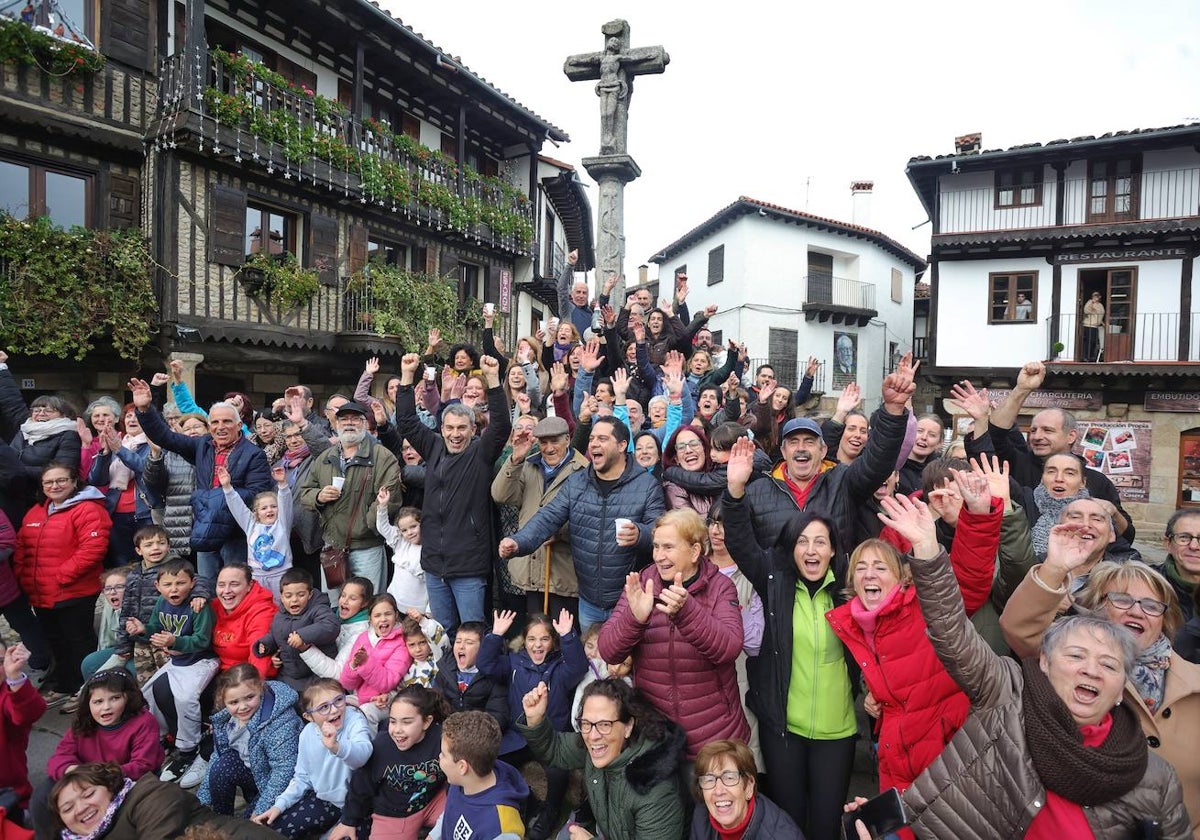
x=809, y=779
x=68, y=629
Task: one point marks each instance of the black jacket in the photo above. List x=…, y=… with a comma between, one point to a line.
x=484, y=694
x=457, y=525
x=769, y=822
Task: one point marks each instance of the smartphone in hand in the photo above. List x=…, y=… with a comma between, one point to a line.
x=881, y=815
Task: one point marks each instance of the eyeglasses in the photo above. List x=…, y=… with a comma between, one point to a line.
x=325, y=708
x=296, y=436
x=681, y=445
x=113, y=590
x=1124, y=601
x=43, y=409
x=708, y=781
x=56, y=482
x=604, y=727
x=716, y=523
x=1182, y=540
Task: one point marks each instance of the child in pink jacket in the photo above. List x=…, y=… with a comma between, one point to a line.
x=379, y=659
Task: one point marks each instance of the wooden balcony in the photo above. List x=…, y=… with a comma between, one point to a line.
x=228, y=107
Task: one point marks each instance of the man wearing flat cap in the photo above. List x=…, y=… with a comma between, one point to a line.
x=530, y=481
x=341, y=487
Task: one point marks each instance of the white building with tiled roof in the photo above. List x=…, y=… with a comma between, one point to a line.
x=1023, y=238
x=792, y=285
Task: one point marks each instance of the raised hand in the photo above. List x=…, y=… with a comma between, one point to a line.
x=176, y=369
x=1031, y=376
x=558, y=378
x=641, y=598
x=995, y=472
x=111, y=438
x=588, y=407
x=620, y=383
x=912, y=520
x=665, y=306
x=141, y=393
x=223, y=477
x=491, y=370
x=609, y=284
x=564, y=624
x=898, y=385
x=372, y=365
x=673, y=597
x=572, y=256
x=435, y=338
x=710, y=310
x=765, y=392
x=159, y=379
x=409, y=363
x=536, y=703
x=502, y=620
x=610, y=315
x=1067, y=548
x=378, y=410
x=15, y=659
x=383, y=497
x=673, y=361
x=974, y=403
x=524, y=404
x=639, y=329
x=849, y=400
x=813, y=366
x=295, y=408
x=673, y=380
x=522, y=442
x=973, y=487
x=85, y=434
x=740, y=466
x=279, y=474
x=743, y=353
x=591, y=356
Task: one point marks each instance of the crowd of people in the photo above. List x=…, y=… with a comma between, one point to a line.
x=616, y=555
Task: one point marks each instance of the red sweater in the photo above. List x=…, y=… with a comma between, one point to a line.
x=133, y=744
x=19, y=711
x=236, y=631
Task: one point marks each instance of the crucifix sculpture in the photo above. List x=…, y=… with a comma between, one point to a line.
x=615, y=69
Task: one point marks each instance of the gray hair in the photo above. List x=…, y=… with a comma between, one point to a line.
x=171, y=411
x=658, y=399
x=460, y=410
x=223, y=404
x=1095, y=624
x=103, y=402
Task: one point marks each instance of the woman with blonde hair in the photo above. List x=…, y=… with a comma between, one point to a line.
x=1163, y=689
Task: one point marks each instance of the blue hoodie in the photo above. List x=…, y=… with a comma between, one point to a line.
x=487, y=814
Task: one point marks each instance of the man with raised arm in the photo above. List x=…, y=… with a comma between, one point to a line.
x=457, y=545
x=1052, y=432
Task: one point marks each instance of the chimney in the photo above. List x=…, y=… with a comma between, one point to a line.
x=643, y=274
x=860, y=202
x=968, y=143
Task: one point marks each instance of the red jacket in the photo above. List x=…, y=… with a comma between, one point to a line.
x=60, y=555
x=685, y=664
x=19, y=711
x=922, y=705
x=234, y=633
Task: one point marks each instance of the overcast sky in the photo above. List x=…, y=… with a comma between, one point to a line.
x=790, y=103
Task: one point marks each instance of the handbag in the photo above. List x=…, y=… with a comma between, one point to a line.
x=335, y=562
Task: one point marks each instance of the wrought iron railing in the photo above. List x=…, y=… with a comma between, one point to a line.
x=838, y=291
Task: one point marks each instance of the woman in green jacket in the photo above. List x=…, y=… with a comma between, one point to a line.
x=630, y=756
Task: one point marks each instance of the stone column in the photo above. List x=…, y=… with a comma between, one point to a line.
x=190, y=360
x=611, y=173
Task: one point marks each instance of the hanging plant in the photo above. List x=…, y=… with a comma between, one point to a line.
x=280, y=279
x=67, y=289
x=22, y=44
x=407, y=304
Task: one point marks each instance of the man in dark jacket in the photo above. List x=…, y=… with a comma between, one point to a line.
x=614, y=487
x=457, y=534
x=216, y=538
x=799, y=483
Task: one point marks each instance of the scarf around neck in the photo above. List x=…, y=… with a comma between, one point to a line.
x=292, y=458
x=1083, y=775
x=867, y=619
x=1150, y=673
x=1049, y=509
x=110, y=814
x=36, y=431
x=119, y=474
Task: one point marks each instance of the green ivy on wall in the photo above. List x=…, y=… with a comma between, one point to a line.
x=67, y=289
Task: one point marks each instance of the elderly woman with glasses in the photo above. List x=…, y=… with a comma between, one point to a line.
x=45, y=431
x=1164, y=689
x=730, y=806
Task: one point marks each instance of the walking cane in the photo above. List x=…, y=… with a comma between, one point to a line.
x=548, y=547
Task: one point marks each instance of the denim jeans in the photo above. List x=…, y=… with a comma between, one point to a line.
x=456, y=600
x=209, y=563
x=590, y=614
x=370, y=563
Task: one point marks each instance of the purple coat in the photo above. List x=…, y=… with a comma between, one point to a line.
x=686, y=664
x=9, y=588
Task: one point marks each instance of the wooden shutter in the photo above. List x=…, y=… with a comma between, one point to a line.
x=226, y=225
x=716, y=265
x=124, y=199
x=449, y=146
x=410, y=126
x=357, y=248
x=127, y=32
x=323, y=247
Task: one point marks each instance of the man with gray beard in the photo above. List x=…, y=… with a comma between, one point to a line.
x=342, y=486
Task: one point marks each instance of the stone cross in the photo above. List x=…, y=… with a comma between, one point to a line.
x=613, y=168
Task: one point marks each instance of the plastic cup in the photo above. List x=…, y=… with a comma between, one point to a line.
x=430, y=372
x=620, y=522
x=338, y=481
x=489, y=309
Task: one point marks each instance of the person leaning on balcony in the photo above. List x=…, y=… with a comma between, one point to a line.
x=1093, y=322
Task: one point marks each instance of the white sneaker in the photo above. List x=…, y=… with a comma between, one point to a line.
x=195, y=774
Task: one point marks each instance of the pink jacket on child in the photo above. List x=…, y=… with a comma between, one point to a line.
x=387, y=662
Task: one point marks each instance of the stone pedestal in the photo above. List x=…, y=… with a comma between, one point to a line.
x=611, y=173
x=190, y=360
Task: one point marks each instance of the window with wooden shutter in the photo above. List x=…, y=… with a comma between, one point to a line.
x=716, y=265
x=357, y=247
x=449, y=146
x=323, y=247
x=226, y=225
x=897, y=286
x=124, y=198
x=127, y=30
x=782, y=352
x=410, y=126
